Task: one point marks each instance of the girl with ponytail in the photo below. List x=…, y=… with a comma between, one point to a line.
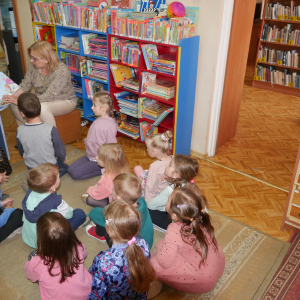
x=123, y=271
x=189, y=258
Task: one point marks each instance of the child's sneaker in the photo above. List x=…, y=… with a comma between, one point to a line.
x=91, y=231
x=84, y=197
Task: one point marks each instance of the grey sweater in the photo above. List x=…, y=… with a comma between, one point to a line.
x=39, y=144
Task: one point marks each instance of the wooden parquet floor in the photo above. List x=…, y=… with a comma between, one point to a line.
x=265, y=140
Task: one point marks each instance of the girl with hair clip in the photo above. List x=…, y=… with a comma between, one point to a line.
x=189, y=258
x=102, y=131
x=123, y=271
x=112, y=158
x=57, y=264
x=181, y=171
x=153, y=180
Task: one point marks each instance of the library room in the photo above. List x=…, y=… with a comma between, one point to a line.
x=205, y=93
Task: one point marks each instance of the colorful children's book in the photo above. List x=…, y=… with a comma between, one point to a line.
x=151, y=5
x=145, y=130
x=192, y=12
x=121, y=73
x=146, y=77
x=7, y=87
x=149, y=51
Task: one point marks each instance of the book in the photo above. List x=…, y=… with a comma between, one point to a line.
x=44, y=33
x=163, y=115
x=145, y=130
x=121, y=73
x=151, y=5
x=7, y=87
x=146, y=77
x=149, y=51
x=192, y=12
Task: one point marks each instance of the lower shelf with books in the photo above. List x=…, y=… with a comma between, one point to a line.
x=276, y=88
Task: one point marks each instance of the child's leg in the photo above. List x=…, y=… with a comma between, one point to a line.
x=13, y=223
x=138, y=170
x=97, y=203
x=101, y=231
x=159, y=218
x=78, y=218
x=83, y=168
x=62, y=167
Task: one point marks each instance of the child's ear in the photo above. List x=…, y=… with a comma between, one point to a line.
x=52, y=189
x=23, y=116
x=174, y=217
x=175, y=175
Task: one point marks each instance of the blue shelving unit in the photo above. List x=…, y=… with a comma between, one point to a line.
x=73, y=31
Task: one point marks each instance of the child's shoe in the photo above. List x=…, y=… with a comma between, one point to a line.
x=17, y=231
x=84, y=197
x=91, y=231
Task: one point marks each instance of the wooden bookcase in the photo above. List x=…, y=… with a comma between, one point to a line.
x=34, y=24
x=291, y=218
x=180, y=121
x=278, y=46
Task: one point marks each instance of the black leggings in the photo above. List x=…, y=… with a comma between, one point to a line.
x=101, y=231
x=160, y=218
x=14, y=222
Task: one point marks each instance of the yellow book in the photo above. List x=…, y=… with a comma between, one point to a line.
x=121, y=73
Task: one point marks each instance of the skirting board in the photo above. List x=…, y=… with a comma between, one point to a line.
x=199, y=155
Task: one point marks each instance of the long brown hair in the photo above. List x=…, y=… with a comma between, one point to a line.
x=187, y=168
x=114, y=159
x=124, y=223
x=57, y=243
x=186, y=205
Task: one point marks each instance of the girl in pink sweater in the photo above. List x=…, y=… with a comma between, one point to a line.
x=112, y=158
x=102, y=131
x=153, y=181
x=57, y=264
x=188, y=258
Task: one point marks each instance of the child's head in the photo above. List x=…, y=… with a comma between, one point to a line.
x=158, y=144
x=186, y=207
x=102, y=104
x=182, y=170
x=123, y=223
x=127, y=187
x=29, y=105
x=44, y=178
x=112, y=158
x=57, y=242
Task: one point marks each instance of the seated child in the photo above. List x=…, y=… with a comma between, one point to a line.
x=127, y=188
x=189, y=258
x=57, y=264
x=103, y=131
x=153, y=180
x=37, y=142
x=10, y=218
x=112, y=158
x=41, y=198
x=181, y=171
x=123, y=271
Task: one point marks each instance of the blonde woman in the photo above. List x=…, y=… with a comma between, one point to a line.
x=51, y=80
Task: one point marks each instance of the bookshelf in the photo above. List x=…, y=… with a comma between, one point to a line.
x=51, y=26
x=286, y=18
x=73, y=31
x=180, y=121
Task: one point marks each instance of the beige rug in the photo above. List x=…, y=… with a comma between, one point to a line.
x=252, y=257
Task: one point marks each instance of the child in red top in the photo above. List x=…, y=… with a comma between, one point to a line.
x=112, y=158
x=188, y=258
x=57, y=264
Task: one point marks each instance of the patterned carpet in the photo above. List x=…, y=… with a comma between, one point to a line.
x=252, y=257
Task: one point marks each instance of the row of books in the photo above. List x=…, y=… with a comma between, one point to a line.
x=164, y=63
x=94, y=45
x=93, y=87
x=128, y=125
x=125, y=77
x=128, y=103
x=70, y=14
x=281, y=35
x=94, y=68
x=157, y=29
x=71, y=60
x=278, y=57
x=270, y=74
x=76, y=84
x=278, y=11
x=70, y=42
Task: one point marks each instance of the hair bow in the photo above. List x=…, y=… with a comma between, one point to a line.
x=131, y=241
x=192, y=181
x=180, y=205
x=163, y=137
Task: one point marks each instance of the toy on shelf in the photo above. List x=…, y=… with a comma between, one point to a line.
x=175, y=9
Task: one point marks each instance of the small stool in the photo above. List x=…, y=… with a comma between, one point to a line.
x=69, y=126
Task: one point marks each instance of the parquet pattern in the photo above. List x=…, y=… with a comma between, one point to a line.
x=270, y=148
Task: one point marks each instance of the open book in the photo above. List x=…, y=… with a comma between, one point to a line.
x=7, y=87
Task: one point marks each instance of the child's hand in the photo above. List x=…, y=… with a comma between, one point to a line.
x=3, y=177
x=7, y=202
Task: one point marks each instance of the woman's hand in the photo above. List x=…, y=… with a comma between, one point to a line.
x=10, y=99
x=3, y=177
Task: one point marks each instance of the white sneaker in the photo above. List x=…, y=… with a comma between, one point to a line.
x=17, y=231
x=159, y=228
x=84, y=197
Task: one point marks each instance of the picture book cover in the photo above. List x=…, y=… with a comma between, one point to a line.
x=121, y=3
x=7, y=87
x=121, y=72
x=151, y=5
x=149, y=51
x=146, y=130
x=192, y=12
x=146, y=77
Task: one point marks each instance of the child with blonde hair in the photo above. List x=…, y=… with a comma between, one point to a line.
x=153, y=180
x=126, y=187
x=57, y=264
x=102, y=131
x=181, y=171
x=123, y=271
x=189, y=258
x=112, y=158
